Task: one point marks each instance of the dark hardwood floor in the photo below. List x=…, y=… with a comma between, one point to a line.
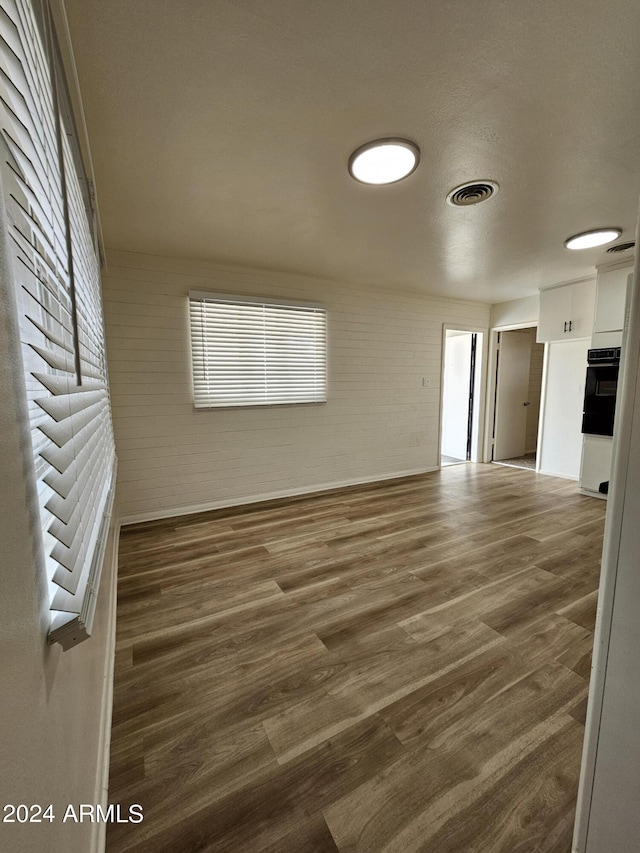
x=398, y=667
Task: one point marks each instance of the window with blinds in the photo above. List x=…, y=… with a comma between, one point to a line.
x=248, y=352
x=57, y=281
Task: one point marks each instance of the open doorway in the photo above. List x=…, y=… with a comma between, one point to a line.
x=460, y=396
x=517, y=401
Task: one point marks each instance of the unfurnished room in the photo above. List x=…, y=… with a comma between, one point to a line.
x=319, y=361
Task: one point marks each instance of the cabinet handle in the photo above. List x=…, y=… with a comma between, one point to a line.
x=565, y=325
x=570, y=324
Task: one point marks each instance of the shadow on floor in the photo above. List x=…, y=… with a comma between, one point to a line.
x=450, y=460
x=526, y=461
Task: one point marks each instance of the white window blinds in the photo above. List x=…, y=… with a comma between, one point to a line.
x=57, y=280
x=248, y=352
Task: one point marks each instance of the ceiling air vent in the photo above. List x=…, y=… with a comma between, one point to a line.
x=472, y=193
x=621, y=247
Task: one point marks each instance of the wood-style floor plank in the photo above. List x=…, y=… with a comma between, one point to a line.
x=399, y=666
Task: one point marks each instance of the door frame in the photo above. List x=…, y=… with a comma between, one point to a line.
x=480, y=390
x=490, y=407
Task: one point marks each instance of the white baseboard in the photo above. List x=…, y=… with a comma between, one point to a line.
x=590, y=494
x=562, y=476
x=99, y=829
x=268, y=496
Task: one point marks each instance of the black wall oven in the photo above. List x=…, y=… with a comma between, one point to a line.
x=600, y=391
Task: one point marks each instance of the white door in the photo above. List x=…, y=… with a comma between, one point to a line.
x=455, y=394
x=512, y=387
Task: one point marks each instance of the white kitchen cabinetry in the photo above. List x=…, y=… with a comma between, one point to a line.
x=560, y=444
x=566, y=312
x=596, y=463
x=610, y=300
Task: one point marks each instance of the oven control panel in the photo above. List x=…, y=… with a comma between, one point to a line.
x=605, y=355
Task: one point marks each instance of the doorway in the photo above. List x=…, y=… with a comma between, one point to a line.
x=460, y=396
x=517, y=398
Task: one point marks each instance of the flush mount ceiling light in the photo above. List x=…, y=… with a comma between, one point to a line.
x=590, y=239
x=384, y=161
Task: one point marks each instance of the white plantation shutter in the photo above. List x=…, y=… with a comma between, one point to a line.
x=57, y=279
x=248, y=352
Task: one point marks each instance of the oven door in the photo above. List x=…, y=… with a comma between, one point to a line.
x=600, y=399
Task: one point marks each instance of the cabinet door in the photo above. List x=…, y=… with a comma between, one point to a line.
x=596, y=462
x=583, y=297
x=610, y=301
x=555, y=310
x=560, y=446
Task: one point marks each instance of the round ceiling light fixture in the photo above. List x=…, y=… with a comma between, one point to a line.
x=384, y=161
x=590, y=239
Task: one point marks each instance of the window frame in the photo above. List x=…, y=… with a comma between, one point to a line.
x=319, y=395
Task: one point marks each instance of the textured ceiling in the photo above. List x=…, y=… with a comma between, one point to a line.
x=221, y=131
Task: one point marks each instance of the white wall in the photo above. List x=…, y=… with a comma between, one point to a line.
x=561, y=440
x=379, y=420
x=54, y=706
x=515, y=312
x=608, y=817
x=455, y=394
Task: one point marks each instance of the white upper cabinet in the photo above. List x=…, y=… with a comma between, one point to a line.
x=555, y=308
x=610, y=300
x=566, y=312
